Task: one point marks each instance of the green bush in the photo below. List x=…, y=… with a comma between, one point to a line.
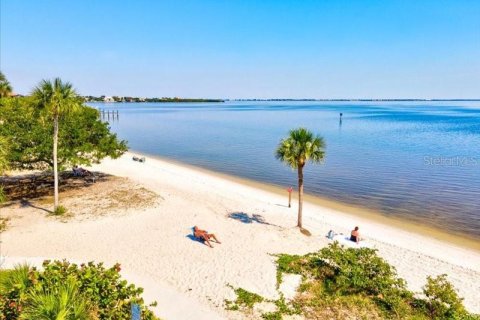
x=64, y=302
x=343, y=282
x=14, y=285
x=25, y=292
x=442, y=300
x=59, y=211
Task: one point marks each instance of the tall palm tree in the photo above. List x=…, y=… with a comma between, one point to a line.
x=296, y=150
x=56, y=98
x=5, y=87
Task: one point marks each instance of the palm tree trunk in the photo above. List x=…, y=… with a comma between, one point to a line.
x=55, y=165
x=300, y=196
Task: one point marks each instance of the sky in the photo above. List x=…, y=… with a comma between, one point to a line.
x=245, y=48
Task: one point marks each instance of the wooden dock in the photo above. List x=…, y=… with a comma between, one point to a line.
x=109, y=114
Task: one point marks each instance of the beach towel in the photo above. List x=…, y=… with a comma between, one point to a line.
x=345, y=241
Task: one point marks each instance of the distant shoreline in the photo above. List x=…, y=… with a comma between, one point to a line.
x=186, y=100
x=118, y=99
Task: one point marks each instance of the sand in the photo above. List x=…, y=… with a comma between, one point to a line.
x=154, y=246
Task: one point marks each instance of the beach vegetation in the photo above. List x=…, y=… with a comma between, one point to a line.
x=83, y=139
x=5, y=86
x=339, y=283
x=68, y=291
x=28, y=124
x=3, y=197
x=296, y=150
x=65, y=302
x=59, y=211
x=442, y=300
x=3, y=220
x=245, y=300
x=56, y=98
x=4, y=149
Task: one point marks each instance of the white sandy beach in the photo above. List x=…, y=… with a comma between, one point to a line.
x=189, y=279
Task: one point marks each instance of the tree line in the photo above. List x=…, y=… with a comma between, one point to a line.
x=138, y=99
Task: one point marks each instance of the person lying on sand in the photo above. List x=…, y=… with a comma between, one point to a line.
x=204, y=235
x=80, y=172
x=355, y=235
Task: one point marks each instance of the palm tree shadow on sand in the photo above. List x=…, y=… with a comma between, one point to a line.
x=26, y=203
x=246, y=218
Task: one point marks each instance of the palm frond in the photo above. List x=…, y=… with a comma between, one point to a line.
x=56, y=96
x=16, y=279
x=300, y=146
x=64, y=303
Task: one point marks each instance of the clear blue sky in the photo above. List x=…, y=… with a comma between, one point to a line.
x=243, y=49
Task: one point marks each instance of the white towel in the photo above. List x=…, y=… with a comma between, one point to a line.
x=345, y=241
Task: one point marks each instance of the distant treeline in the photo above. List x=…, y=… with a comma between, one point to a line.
x=137, y=99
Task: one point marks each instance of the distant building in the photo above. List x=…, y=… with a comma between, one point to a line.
x=108, y=99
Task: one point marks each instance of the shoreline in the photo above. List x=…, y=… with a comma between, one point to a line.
x=344, y=208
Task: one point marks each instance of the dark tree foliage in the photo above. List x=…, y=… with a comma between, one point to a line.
x=83, y=137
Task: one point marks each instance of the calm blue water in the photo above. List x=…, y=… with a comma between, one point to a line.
x=419, y=161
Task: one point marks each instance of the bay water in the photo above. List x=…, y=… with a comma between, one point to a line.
x=412, y=160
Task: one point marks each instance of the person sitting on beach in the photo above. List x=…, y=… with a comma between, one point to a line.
x=79, y=171
x=204, y=235
x=355, y=235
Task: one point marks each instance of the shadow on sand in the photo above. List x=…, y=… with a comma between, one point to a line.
x=193, y=238
x=40, y=184
x=26, y=203
x=246, y=218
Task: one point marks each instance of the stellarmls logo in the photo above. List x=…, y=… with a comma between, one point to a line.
x=455, y=161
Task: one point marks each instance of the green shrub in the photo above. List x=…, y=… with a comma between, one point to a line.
x=14, y=285
x=340, y=283
x=64, y=302
x=442, y=300
x=104, y=295
x=59, y=211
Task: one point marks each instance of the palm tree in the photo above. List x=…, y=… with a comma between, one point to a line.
x=296, y=150
x=65, y=303
x=5, y=87
x=56, y=98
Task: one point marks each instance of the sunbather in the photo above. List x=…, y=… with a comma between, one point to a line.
x=204, y=235
x=355, y=235
x=79, y=171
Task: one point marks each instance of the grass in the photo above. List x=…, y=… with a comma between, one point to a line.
x=245, y=300
x=59, y=211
